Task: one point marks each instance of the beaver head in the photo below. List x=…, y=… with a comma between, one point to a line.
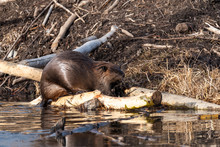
x=108, y=76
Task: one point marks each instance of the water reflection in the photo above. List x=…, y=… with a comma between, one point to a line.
x=25, y=125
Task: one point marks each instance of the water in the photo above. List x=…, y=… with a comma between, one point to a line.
x=23, y=125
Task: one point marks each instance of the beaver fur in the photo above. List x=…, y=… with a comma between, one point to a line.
x=72, y=71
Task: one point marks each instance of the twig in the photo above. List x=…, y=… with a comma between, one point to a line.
x=5, y=81
x=216, y=52
x=65, y=27
x=47, y=16
x=61, y=6
x=157, y=46
x=212, y=29
x=62, y=32
x=35, y=12
x=84, y=2
x=177, y=38
x=111, y=7
x=159, y=11
x=18, y=80
x=51, y=29
x=187, y=37
x=104, y=4
x=127, y=33
x=80, y=17
x=5, y=57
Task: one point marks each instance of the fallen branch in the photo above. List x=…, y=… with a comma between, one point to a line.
x=157, y=46
x=85, y=49
x=91, y=45
x=62, y=32
x=47, y=16
x=197, y=35
x=61, y=6
x=65, y=27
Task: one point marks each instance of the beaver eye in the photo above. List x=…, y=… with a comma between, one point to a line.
x=104, y=68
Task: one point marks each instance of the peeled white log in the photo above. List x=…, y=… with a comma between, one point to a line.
x=138, y=97
x=178, y=100
x=109, y=102
x=20, y=70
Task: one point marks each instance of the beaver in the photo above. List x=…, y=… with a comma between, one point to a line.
x=70, y=72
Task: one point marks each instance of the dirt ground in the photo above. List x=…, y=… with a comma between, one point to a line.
x=191, y=66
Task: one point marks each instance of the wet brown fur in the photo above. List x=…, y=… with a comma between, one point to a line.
x=72, y=71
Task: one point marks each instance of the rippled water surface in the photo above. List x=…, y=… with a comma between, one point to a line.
x=25, y=125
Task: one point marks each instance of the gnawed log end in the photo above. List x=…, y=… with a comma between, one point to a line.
x=157, y=98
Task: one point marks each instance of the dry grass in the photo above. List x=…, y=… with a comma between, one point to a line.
x=193, y=82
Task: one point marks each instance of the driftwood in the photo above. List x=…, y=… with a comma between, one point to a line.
x=85, y=49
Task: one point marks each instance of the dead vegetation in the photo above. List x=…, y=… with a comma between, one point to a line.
x=182, y=55
x=193, y=82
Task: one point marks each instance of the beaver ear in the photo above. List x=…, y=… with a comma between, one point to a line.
x=104, y=68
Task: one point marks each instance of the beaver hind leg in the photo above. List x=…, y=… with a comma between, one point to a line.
x=51, y=92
